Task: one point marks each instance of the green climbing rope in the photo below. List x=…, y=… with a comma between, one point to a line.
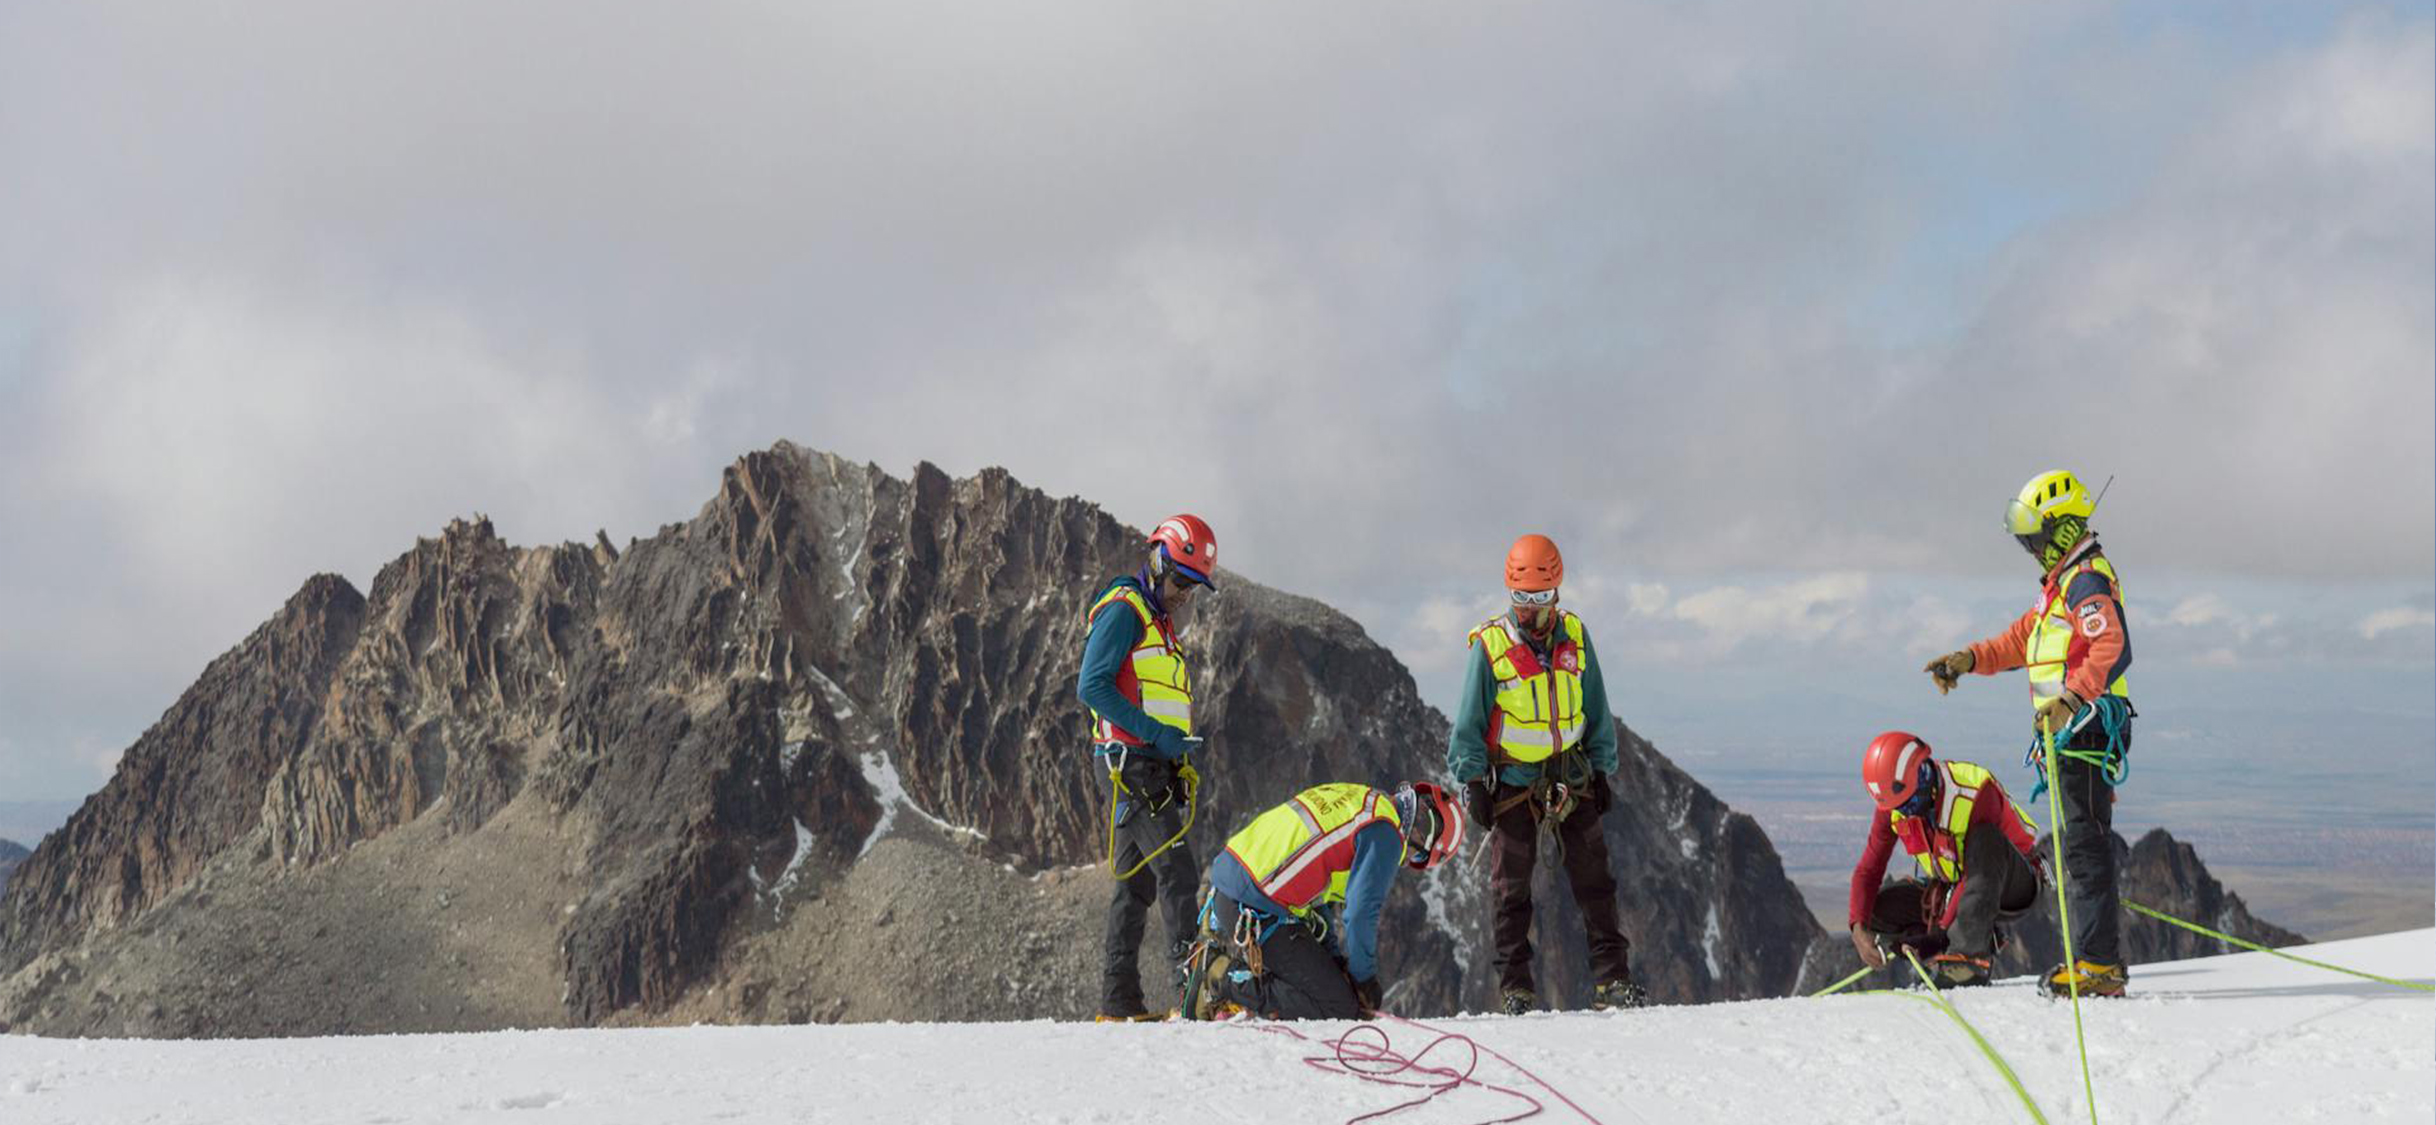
x=2195, y=927
x=1938, y=999
x=1839, y=986
x=2063, y=914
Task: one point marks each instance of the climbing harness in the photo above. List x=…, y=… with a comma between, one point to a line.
x=2113, y=714
x=1118, y=793
x=1550, y=798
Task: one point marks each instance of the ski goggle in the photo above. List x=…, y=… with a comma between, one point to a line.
x=2022, y=519
x=1190, y=576
x=1533, y=597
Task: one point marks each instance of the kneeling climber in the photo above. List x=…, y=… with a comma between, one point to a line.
x=1978, y=851
x=1270, y=945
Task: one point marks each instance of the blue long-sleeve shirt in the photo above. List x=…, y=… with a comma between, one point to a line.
x=1114, y=633
x=1378, y=849
x=1467, y=747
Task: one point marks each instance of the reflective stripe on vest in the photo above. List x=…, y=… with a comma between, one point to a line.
x=1938, y=847
x=1539, y=707
x=1301, y=852
x=1152, y=678
x=2049, y=645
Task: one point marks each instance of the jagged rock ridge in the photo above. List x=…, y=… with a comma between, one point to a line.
x=669, y=771
x=12, y=853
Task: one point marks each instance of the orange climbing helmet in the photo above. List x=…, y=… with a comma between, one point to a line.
x=1533, y=563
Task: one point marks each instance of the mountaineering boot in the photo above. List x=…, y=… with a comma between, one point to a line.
x=1958, y=970
x=1517, y=1001
x=1208, y=990
x=1128, y=1017
x=1615, y=994
x=2093, y=979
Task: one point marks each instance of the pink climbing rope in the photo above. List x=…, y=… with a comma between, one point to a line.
x=1366, y=1052
x=1519, y=1068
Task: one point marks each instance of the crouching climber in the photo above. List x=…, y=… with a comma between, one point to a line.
x=1978, y=851
x=1291, y=926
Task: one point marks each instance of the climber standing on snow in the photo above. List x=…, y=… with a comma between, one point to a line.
x=2076, y=647
x=1533, y=745
x=1141, y=698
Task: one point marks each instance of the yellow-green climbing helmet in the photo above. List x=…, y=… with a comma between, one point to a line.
x=2053, y=493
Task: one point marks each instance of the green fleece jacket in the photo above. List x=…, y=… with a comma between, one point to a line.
x=1467, y=749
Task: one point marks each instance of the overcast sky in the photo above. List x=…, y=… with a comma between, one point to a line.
x=1763, y=310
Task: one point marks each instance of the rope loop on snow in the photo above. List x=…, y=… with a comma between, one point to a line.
x=1366, y=1052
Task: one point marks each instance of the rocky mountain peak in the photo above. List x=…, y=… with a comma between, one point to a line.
x=814, y=753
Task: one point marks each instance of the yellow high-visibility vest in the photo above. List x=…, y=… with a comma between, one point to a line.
x=1301, y=852
x=1539, y=705
x=1938, y=845
x=1153, y=676
x=2046, y=649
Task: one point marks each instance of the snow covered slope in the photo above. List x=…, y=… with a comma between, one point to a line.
x=2241, y=1038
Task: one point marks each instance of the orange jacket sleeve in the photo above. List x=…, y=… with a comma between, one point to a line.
x=2003, y=652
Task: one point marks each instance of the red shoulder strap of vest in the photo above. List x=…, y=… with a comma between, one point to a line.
x=1526, y=662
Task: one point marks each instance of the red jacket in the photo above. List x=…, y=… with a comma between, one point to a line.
x=1991, y=807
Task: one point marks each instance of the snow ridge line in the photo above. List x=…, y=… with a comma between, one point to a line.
x=2251, y=945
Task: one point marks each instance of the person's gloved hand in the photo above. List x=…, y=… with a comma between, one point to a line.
x=1478, y=803
x=1866, y=944
x=2055, y=715
x=1368, y=994
x=1168, y=742
x=1601, y=797
x=1948, y=670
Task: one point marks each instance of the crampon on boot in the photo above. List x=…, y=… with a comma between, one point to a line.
x=1517, y=1001
x=1958, y=970
x=1622, y=993
x=1207, y=991
x=2093, y=979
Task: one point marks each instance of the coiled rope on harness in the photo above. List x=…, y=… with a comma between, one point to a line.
x=1118, y=793
x=2113, y=714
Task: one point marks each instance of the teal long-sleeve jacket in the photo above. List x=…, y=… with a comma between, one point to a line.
x=1467, y=749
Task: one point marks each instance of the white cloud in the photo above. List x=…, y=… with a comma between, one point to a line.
x=1647, y=599
x=2397, y=618
x=1797, y=612
x=1707, y=292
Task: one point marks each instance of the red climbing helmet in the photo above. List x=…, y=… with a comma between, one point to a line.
x=1891, y=767
x=1433, y=826
x=1185, y=542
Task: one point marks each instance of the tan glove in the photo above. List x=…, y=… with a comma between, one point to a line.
x=1949, y=669
x=2055, y=715
x=1866, y=944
